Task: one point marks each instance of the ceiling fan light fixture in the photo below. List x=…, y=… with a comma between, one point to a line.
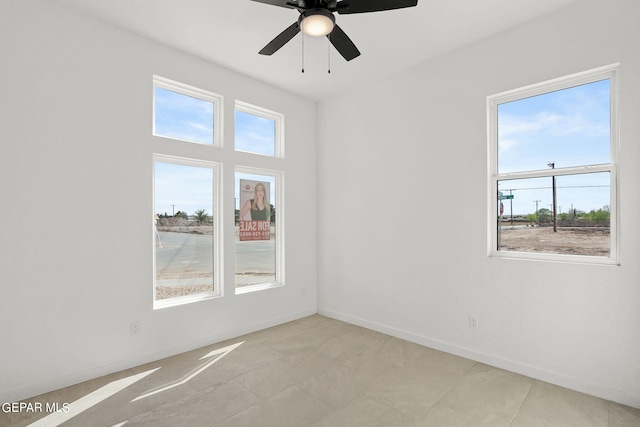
x=317, y=22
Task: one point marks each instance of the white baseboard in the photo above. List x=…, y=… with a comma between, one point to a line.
x=578, y=384
x=35, y=389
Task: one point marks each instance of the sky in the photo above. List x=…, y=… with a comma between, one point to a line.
x=191, y=119
x=254, y=134
x=182, y=188
x=183, y=117
x=189, y=188
x=570, y=127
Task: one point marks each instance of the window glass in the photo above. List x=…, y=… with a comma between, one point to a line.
x=258, y=130
x=183, y=117
x=569, y=127
x=582, y=222
x=255, y=134
x=184, y=245
x=256, y=244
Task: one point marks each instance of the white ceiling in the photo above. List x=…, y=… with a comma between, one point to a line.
x=231, y=32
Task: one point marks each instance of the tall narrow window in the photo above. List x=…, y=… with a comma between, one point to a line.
x=185, y=230
x=186, y=194
x=553, y=169
x=259, y=199
x=258, y=235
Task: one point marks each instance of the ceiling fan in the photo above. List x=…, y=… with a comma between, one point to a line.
x=317, y=19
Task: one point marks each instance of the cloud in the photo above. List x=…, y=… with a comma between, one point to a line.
x=254, y=134
x=183, y=117
x=514, y=130
x=568, y=117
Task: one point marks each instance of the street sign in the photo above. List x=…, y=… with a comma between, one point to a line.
x=507, y=197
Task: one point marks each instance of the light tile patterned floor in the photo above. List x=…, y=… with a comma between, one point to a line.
x=322, y=372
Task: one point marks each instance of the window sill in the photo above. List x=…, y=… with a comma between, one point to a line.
x=559, y=258
x=258, y=287
x=189, y=299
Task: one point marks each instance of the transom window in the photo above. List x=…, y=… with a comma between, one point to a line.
x=553, y=179
x=185, y=112
x=258, y=130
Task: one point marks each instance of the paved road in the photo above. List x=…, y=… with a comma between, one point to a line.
x=184, y=252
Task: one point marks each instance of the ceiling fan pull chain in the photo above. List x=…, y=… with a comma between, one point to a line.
x=329, y=54
x=303, y=53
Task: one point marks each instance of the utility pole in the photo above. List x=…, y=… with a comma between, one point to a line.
x=173, y=213
x=552, y=165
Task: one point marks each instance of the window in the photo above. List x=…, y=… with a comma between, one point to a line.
x=552, y=169
x=187, y=185
x=258, y=234
x=258, y=198
x=186, y=230
x=188, y=188
x=258, y=131
x=186, y=113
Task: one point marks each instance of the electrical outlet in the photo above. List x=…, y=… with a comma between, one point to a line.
x=473, y=322
x=134, y=328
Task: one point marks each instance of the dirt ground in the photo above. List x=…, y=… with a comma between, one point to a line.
x=193, y=229
x=163, y=292
x=181, y=225
x=573, y=241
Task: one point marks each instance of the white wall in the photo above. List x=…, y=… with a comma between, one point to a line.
x=76, y=194
x=403, y=211
x=75, y=120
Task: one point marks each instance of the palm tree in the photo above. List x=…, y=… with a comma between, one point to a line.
x=201, y=216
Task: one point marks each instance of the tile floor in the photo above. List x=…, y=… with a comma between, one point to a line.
x=321, y=372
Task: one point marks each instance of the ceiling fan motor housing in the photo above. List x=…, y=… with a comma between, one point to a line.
x=316, y=22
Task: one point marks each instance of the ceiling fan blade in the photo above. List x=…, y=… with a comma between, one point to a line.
x=362, y=6
x=280, y=40
x=281, y=3
x=343, y=44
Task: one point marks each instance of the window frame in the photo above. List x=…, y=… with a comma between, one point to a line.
x=216, y=158
x=217, y=236
x=193, y=92
x=602, y=73
x=278, y=176
x=278, y=118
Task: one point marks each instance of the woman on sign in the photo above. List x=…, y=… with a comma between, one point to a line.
x=258, y=206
